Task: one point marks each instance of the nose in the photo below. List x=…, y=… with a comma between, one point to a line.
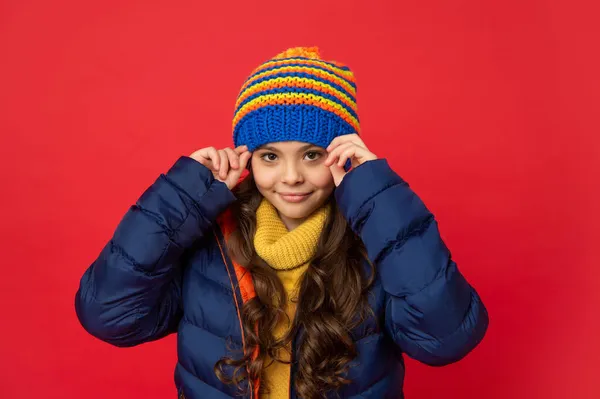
x=291, y=174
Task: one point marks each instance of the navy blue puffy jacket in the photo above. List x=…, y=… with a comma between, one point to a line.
x=163, y=272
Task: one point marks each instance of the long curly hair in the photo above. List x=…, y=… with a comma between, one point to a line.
x=333, y=300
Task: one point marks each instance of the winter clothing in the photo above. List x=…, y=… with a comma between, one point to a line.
x=296, y=95
x=289, y=253
x=166, y=270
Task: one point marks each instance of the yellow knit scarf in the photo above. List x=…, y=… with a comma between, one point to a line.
x=289, y=253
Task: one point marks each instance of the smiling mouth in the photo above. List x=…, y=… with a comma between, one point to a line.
x=293, y=197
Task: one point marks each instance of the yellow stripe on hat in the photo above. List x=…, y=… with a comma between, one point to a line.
x=343, y=73
x=296, y=82
x=296, y=99
x=312, y=71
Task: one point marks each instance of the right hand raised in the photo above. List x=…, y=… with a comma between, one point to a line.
x=226, y=164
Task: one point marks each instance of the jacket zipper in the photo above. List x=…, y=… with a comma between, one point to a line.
x=228, y=263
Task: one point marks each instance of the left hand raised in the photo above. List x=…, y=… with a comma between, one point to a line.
x=344, y=147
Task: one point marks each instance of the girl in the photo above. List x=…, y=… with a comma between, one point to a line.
x=296, y=265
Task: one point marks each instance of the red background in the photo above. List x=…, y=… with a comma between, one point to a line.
x=486, y=109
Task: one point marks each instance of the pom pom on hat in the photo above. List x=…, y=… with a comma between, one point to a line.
x=307, y=52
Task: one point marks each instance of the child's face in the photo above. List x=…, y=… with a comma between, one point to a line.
x=292, y=167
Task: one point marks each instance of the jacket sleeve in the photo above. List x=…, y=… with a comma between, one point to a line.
x=432, y=313
x=131, y=293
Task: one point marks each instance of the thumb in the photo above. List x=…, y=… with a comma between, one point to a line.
x=338, y=173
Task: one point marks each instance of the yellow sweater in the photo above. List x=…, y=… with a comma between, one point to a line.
x=289, y=252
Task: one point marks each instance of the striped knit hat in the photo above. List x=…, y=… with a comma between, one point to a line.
x=296, y=96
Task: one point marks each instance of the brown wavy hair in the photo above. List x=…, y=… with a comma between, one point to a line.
x=333, y=301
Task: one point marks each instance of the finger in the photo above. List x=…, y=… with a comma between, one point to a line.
x=233, y=158
x=240, y=149
x=345, y=139
x=234, y=176
x=224, y=161
x=335, y=153
x=332, y=156
x=349, y=152
x=204, y=160
x=337, y=173
x=244, y=159
x=214, y=157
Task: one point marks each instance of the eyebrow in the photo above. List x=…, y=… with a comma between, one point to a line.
x=303, y=148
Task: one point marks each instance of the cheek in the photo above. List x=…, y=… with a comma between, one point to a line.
x=322, y=179
x=261, y=182
x=263, y=177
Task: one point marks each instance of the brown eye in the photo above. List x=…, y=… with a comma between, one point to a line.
x=312, y=155
x=269, y=157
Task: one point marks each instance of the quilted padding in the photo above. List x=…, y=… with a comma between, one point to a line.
x=164, y=271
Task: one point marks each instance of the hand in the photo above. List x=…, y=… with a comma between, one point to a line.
x=344, y=147
x=226, y=165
